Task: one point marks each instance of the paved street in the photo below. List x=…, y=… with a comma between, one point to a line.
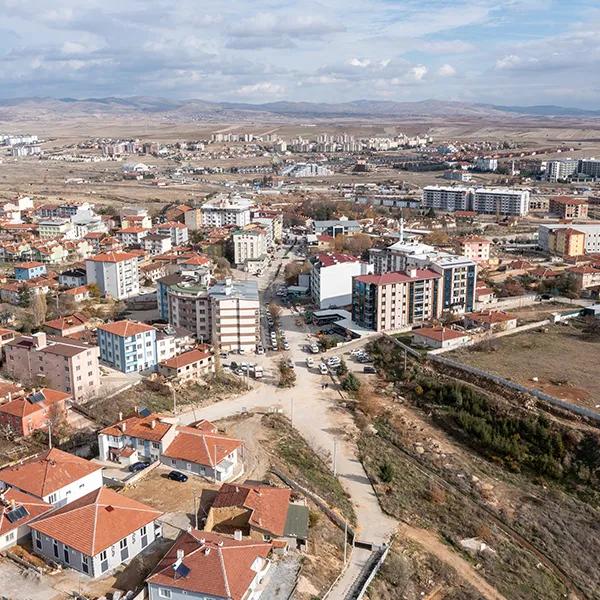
x=317, y=416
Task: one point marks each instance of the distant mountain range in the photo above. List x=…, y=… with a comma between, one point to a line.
x=39, y=108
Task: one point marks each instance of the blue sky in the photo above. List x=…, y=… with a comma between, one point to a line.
x=500, y=51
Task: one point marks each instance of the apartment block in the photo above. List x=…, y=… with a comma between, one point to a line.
x=331, y=278
x=222, y=211
x=475, y=247
x=59, y=363
x=394, y=300
x=55, y=228
x=250, y=248
x=178, y=232
x=591, y=232
x=128, y=346
x=567, y=207
x=503, y=201
x=116, y=274
x=447, y=198
x=187, y=305
x=560, y=170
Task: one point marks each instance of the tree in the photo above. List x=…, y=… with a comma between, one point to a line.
x=386, y=472
x=275, y=311
x=287, y=375
x=351, y=383
x=342, y=368
x=511, y=287
x=38, y=309
x=437, y=238
x=222, y=266
x=24, y=296
x=94, y=290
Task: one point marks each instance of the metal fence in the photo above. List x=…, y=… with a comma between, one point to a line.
x=368, y=572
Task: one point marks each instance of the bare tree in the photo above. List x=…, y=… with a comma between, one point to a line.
x=38, y=309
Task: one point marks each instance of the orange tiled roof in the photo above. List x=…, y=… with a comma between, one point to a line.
x=268, y=505
x=113, y=257
x=96, y=521
x=32, y=505
x=126, y=328
x=219, y=566
x=439, y=333
x=140, y=427
x=491, y=316
x=47, y=472
x=187, y=358
x=200, y=447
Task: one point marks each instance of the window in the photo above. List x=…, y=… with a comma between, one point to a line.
x=85, y=565
x=103, y=561
x=55, y=548
x=66, y=554
x=9, y=536
x=164, y=593
x=52, y=498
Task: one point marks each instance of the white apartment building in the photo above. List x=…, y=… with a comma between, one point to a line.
x=250, y=247
x=331, y=278
x=132, y=236
x=447, y=198
x=178, y=232
x=486, y=164
x=235, y=315
x=56, y=228
x=155, y=243
x=116, y=274
x=559, y=170
x=504, y=201
x=591, y=231
x=222, y=211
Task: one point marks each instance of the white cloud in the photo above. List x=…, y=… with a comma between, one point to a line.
x=419, y=72
x=446, y=71
x=265, y=88
x=358, y=62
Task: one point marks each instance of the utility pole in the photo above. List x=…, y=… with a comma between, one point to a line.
x=292, y=410
x=345, y=540
x=334, y=457
x=196, y=510
x=49, y=435
x=404, y=359
x=174, y=400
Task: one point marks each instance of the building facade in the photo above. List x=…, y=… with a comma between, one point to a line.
x=128, y=346
x=116, y=274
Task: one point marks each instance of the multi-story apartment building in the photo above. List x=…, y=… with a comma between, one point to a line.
x=331, y=278
x=178, y=232
x=222, y=211
x=55, y=228
x=235, y=315
x=116, y=274
x=132, y=236
x=128, y=346
x=271, y=218
x=459, y=273
x=333, y=228
x=395, y=300
x=591, y=232
x=155, y=243
x=568, y=243
x=60, y=363
x=567, y=207
x=560, y=170
x=589, y=167
x=447, y=198
x=503, y=201
x=188, y=306
x=586, y=277
x=250, y=248
x=475, y=247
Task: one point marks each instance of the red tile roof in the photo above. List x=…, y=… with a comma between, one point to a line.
x=21, y=407
x=29, y=265
x=12, y=498
x=140, y=427
x=47, y=472
x=439, y=333
x=219, y=566
x=268, y=505
x=566, y=200
x=126, y=328
x=491, y=316
x=67, y=322
x=187, y=358
x=112, y=257
x=96, y=521
x=390, y=278
x=329, y=259
x=200, y=447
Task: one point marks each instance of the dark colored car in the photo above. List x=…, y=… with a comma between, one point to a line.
x=370, y=370
x=177, y=476
x=138, y=466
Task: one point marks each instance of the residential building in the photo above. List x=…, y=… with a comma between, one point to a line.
x=591, y=232
x=392, y=301
x=171, y=341
x=333, y=228
x=155, y=243
x=486, y=164
x=191, y=365
x=96, y=533
x=77, y=294
x=204, y=565
x=586, y=277
x=62, y=364
x=235, y=315
x=26, y=414
x=193, y=219
x=568, y=243
x=128, y=346
x=567, y=207
x=250, y=248
x=56, y=228
x=222, y=211
x=67, y=326
x=491, y=320
x=439, y=337
x=132, y=236
x=116, y=274
x=271, y=218
x=260, y=511
x=331, y=278
x=74, y=277
x=30, y=270
x=178, y=232
x=589, y=167
x=187, y=305
x=501, y=201
x=459, y=273
x=17, y=509
x=446, y=198
x=475, y=247
x=560, y=170
x=56, y=477
x=198, y=449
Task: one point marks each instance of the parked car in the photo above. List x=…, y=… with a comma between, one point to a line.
x=260, y=350
x=286, y=346
x=314, y=349
x=137, y=467
x=177, y=476
x=310, y=362
x=323, y=369
x=370, y=370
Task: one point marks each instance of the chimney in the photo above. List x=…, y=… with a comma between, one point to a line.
x=237, y=536
x=153, y=424
x=412, y=272
x=206, y=551
x=180, y=554
x=120, y=415
x=39, y=340
x=123, y=426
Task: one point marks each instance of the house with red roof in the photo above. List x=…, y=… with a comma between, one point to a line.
x=206, y=565
x=56, y=477
x=490, y=320
x=17, y=509
x=26, y=414
x=189, y=365
x=96, y=533
x=439, y=337
x=68, y=325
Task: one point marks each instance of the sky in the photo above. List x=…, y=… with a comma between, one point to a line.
x=512, y=52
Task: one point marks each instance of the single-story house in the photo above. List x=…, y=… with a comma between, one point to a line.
x=491, y=320
x=439, y=337
x=189, y=365
x=66, y=326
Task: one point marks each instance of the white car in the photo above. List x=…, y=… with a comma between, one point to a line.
x=310, y=363
x=323, y=369
x=314, y=349
x=260, y=350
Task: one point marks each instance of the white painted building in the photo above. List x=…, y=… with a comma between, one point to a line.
x=116, y=274
x=503, y=201
x=223, y=210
